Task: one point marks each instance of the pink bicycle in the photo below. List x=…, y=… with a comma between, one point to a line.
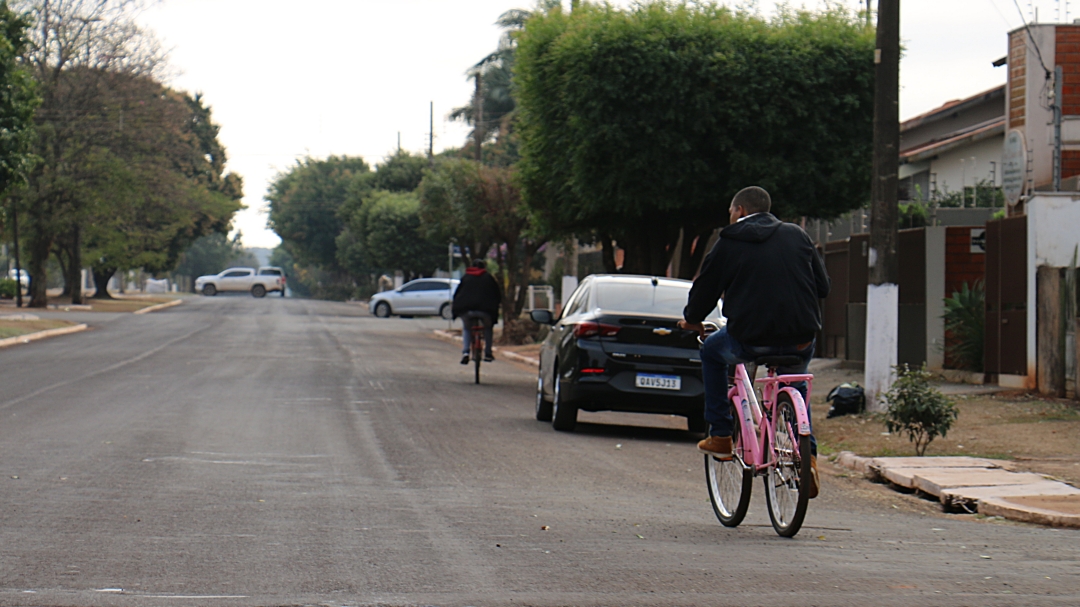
x=771, y=440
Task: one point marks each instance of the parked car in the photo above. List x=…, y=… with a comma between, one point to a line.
x=424, y=296
x=21, y=275
x=617, y=347
x=258, y=283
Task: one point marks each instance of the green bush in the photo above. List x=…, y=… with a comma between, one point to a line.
x=918, y=410
x=965, y=314
x=7, y=288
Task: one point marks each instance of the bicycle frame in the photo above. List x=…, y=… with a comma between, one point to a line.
x=757, y=428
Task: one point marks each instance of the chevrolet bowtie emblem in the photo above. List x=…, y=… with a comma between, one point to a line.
x=662, y=331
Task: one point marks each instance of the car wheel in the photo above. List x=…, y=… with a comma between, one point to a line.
x=258, y=291
x=382, y=310
x=563, y=414
x=209, y=290
x=543, y=407
x=446, y=311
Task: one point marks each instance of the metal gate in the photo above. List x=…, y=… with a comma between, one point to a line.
x=1005, y=346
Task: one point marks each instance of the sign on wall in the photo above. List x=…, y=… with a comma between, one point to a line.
x=978, y=240
x=1013, y=166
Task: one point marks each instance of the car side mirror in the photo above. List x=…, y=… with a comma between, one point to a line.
x=543, y=317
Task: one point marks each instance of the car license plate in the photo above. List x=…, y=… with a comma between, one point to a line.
x=659, y=382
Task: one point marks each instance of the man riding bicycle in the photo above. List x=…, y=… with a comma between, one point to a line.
x=477, y=298
x=771, y=279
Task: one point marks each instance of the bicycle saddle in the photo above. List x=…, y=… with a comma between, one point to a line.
x=778, y=361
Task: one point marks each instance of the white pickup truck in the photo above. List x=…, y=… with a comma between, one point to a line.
x=258, y=282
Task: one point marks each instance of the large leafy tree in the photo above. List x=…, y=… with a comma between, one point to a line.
x=480, y=207
x=74, y=48
x=393, y=240
x=305, y=203
x=400, y=173
x=156, y=185
x=639, y=124
x=18, y=98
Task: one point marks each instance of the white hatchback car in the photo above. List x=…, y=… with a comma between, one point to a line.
x=424, y=296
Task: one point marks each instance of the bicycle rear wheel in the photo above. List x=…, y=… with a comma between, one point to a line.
x=730, y=482
x=477, y=351
x=787, y=483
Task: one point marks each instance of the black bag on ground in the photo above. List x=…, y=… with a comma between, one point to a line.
x=846, y=399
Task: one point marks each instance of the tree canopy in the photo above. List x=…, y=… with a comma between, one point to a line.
x=129, y=172
x=305, y=203
x=636, y=123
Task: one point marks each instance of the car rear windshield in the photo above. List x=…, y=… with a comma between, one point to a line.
x=644, y=298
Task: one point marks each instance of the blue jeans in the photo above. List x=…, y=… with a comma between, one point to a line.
x=721, y=350
x=466, y=331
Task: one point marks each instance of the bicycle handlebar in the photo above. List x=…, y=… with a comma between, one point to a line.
x=710, y=328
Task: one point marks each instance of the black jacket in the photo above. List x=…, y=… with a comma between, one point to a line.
x=771, y=278
x=477, y=293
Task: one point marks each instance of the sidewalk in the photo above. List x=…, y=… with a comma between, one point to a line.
x=973, y=484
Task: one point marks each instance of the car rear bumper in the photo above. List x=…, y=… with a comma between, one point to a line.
x=618, y=392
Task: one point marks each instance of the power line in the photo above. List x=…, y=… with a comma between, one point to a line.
x=1031, y=37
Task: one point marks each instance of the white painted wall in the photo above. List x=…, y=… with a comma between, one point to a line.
x=953, y=175
x=1053, y=234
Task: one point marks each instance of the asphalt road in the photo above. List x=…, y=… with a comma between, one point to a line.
x=234, y=451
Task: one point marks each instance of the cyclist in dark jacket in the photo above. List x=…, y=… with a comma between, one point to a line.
x=478, y=296
x=771, y=279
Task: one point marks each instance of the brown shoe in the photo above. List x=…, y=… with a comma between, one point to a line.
x=716, y=446
x=814, y=482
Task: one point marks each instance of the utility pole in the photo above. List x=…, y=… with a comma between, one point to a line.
x=883, y=291
x=479, y=119
x=431, y=137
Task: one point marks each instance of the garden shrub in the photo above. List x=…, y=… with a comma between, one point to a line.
x=917, y=409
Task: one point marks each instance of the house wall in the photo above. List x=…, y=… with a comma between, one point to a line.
x=950, y=120
x=961, y=265
x=956, y=168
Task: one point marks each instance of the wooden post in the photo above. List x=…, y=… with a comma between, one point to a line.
x=1049, y=332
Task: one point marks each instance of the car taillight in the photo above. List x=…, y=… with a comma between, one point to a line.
x=595, y=329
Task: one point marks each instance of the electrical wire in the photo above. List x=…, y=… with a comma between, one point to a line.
x=1000, y=14
x=1031, y=37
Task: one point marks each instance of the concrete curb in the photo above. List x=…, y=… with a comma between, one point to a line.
x=29, y=337
x=160, y=306
x=456, y=339
x=957, y=481
x=1005, y=508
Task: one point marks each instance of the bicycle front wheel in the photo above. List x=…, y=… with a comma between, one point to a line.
x=787, y=483
x=730, y=482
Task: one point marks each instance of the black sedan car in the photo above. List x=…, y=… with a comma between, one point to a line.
x=616, y=347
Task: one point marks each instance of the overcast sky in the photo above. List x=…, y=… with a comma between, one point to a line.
x=287, y=80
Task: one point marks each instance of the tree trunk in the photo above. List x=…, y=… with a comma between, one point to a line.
x=102, y=276
x=40, y=245
x=75, y=266
x=60, y=252
x=648, y=249
x=694, y=251
x=608, y=253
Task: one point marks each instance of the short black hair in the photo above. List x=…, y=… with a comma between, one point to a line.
x=753, y=199
x=479, y=263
